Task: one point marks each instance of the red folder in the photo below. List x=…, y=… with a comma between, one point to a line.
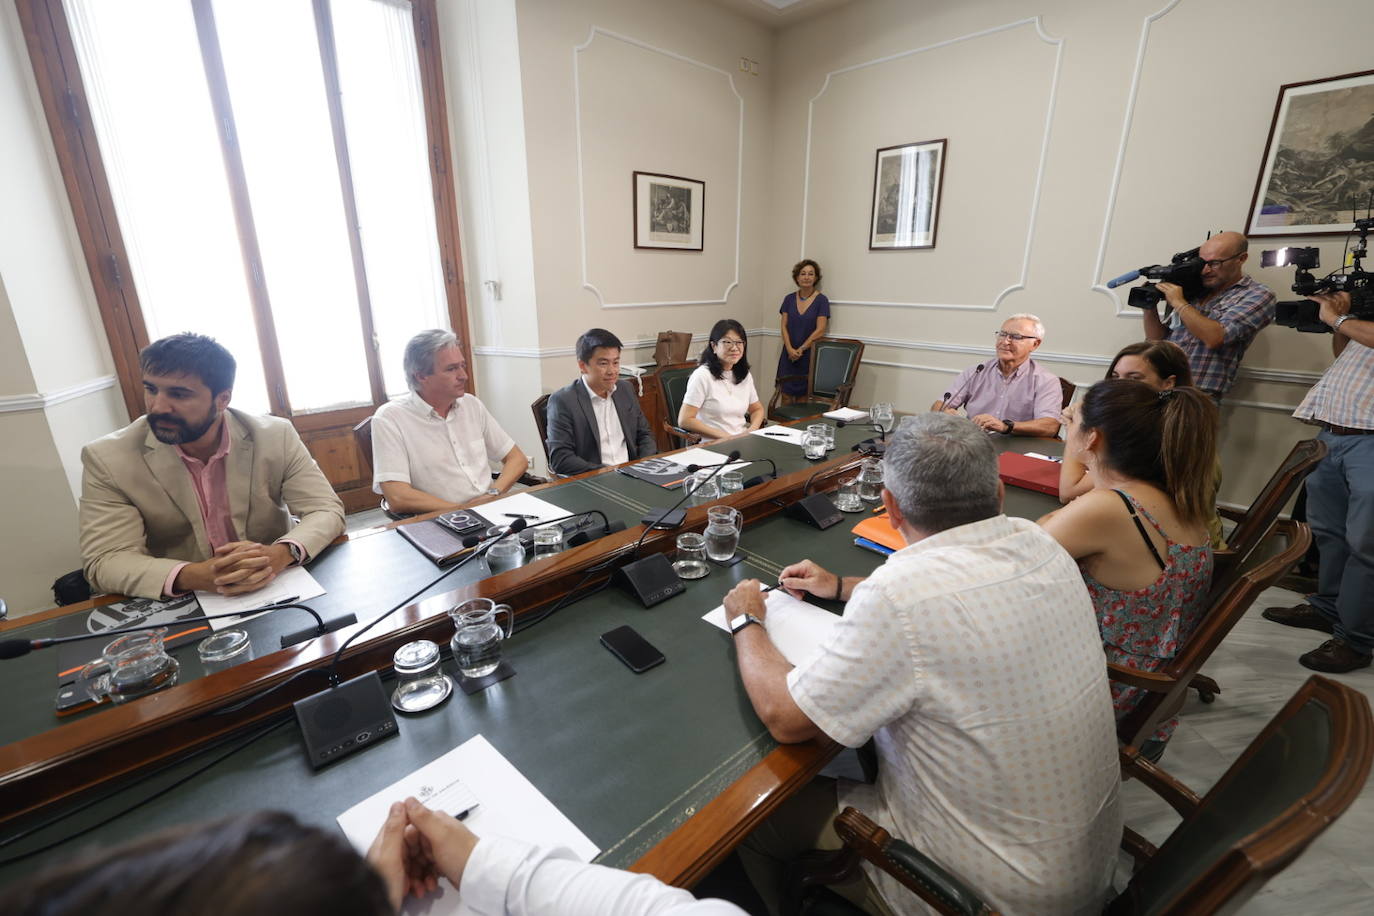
x=1029, y=473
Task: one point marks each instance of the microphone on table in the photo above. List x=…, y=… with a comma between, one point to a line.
x=14, y=648
x=944, y=403
x=869, y=446
x=672, y=518
x=752, y=481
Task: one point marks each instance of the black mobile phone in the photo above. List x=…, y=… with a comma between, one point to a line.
x=634, y=650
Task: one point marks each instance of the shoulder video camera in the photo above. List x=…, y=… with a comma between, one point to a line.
x=1304, y=314
x=1183, y=269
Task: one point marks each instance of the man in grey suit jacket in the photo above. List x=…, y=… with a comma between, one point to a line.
x=193, y=495
x=596, y=422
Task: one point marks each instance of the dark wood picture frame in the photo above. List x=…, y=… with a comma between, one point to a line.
x=655, y=227
x=1307, y=168
x=893, y=209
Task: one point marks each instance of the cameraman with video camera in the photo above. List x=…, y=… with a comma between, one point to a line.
x=1340, y=496
x=1215, y=328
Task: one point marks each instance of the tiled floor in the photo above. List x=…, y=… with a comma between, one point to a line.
x=1257, y=668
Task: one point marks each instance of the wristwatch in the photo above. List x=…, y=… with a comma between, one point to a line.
x=1336, y=325
x=297, y=553
x=492, y=491
x=1007, y=426
x=739, y=623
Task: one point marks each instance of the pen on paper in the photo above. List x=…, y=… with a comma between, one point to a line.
x=778, y=435
x=462, y=815
x=523, y=515
x=289, y=599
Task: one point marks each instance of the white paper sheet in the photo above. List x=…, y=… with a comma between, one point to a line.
x=781, y=434
x=797, y=628
x=519, y=504
x=507, y=805
x=701, y=456
x=845, y=413
x=293, y=583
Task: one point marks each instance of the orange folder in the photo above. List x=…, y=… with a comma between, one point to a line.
x=880, y=531
x=1029, y=473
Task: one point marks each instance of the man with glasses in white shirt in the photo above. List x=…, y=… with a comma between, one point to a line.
x=596, y=422
x=1011, y=393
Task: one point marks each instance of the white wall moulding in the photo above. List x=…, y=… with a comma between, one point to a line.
x=1097, y=282
x=16, y=403
x=996, y=163
x=630, y=103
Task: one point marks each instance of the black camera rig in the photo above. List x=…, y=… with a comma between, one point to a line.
x=1183, y=269
x=1304, y=314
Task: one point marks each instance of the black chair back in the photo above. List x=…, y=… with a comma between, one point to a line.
x=835, y=364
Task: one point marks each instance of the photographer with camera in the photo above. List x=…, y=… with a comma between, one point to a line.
x=1340, y=496
x=1215, y=328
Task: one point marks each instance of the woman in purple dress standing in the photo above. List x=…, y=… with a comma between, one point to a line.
x=805, y=315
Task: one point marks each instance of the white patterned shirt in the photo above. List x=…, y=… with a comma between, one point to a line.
x=973, y=658
x=1344, y=395
x=448, y=457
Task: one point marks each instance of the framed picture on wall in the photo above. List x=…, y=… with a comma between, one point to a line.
x=669, y=211
x=906, y=195
x=1318, y=164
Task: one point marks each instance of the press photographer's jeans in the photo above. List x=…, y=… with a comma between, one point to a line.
x=1340, y=509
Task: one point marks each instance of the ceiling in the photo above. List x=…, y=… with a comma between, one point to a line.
x=777, y=14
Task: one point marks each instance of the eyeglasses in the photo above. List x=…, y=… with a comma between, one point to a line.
x=731, y=344
x=1014, y=338
x=1217, y=263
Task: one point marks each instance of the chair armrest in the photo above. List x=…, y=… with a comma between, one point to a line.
x=1145, y=680
x=1137, y=847
x=1234, y=515
x=842, y=393
x=1178, y=796
x=687, y=436
x=917, y=871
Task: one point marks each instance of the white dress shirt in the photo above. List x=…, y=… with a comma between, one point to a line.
x=448, y=457
x=973, y=658
x=611, y=435
x=721, y=402
x=508, y=876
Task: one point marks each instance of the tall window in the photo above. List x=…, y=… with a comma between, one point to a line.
x=269, y=172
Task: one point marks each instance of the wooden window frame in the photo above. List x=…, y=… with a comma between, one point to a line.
x=65, y=105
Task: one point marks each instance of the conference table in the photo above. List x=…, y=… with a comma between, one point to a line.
x=665, y=771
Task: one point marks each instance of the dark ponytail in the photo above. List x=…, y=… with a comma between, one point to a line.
x=1167, y=438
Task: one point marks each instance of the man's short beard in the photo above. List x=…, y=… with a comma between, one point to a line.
x=184, y=432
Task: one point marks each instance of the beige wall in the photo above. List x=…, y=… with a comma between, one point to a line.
x=1139, y=161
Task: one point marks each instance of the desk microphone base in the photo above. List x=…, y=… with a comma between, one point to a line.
x=343, y=719
x=310, y=632
x=650, y=580
x=816, y=510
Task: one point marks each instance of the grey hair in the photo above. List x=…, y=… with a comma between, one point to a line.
x=420, y=353
x=942, y=471
x=1033, y=319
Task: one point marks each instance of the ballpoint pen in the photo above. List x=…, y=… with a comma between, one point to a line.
x=532, y=518
x=778, y=435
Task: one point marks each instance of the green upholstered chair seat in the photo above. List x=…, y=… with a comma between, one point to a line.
x=834, y=365
x=799, y=410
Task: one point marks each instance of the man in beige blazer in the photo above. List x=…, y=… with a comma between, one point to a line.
x=193, y=495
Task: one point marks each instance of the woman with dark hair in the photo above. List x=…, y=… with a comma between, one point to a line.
x=1162, y=365
x=1140, y=535
x=805, y=315
x=721, y=399
x=268, y=862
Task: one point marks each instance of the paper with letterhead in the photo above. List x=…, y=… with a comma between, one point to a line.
x=518, y=505
x=797, y=628
x=293, y=584
x=845, y=413
x=781, y=434
x=507, y=804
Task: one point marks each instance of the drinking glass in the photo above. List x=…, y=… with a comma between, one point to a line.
x=704, y=487
x=813, y=444
x=420, y=685
x=691, y=556
x=829, y=429
x=731, y=482
x=224, y=650
x=505, y=555
x=130, y=667
x=547, y=541
x=478, y=634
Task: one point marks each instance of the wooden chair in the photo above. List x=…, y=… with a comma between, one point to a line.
x=1067, y=388
x=672, y=382
x=1167, y=688
x=834, y=364
x=1300, y=773
x=540, y=409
